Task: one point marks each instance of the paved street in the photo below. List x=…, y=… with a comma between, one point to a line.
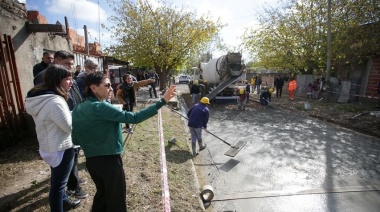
x=290, y=163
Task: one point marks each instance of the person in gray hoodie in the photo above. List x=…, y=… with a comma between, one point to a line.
x=46, y=103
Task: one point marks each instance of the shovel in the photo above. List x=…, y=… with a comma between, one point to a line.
x=234, y=148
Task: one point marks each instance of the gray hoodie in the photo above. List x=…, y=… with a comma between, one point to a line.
x=53, y=121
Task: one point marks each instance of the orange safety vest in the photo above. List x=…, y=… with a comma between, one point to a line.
x=292, y=85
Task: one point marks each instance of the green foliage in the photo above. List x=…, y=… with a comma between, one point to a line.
x=163, y=37
x=293, y=37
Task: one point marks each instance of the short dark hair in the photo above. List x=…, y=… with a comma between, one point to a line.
x=63, y=54
x=46, y=53
x=93, y=78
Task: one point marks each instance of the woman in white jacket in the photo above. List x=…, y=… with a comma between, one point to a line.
x=46, y=103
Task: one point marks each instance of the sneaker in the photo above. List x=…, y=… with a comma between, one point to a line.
x=79, y=193
x=70, y=204
x=195, y=154
x=130, y=130
x=82, y=181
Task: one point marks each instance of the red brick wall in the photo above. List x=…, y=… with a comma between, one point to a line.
x=94, y=48
x=374, y=77
x=75, y=38
x=36, y=18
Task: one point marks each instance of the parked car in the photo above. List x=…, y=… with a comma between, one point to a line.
x=184, y=79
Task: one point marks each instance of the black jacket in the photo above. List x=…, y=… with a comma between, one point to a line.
x=279, y=82
x=39, y=67
x=74, y=96
x=194, y=89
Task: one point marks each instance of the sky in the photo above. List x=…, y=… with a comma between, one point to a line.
x=237, y=14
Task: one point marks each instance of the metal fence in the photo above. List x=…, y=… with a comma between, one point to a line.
x=11, y=101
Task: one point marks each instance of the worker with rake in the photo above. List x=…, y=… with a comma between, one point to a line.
x=198, y=119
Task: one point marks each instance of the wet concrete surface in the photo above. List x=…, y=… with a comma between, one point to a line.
x=290, y=163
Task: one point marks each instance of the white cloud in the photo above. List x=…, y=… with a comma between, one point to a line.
x=238, y=15
x=93, y=35
x=83, y=10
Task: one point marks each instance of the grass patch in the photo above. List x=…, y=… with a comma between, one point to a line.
x=142, y=166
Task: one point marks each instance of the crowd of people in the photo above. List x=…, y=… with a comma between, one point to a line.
x=257, y=86
x=72, y=111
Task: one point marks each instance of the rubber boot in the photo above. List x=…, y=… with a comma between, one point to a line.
x=194, y=148
x=201, y=145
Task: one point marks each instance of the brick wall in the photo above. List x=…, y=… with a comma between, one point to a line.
x=77, y=40
x=374, y=78
x=36, y=18
x=94, y=48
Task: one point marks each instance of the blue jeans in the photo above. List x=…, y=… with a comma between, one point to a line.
x=258, y=89
x=73, y=181
x=58, y=181
x=128, y=107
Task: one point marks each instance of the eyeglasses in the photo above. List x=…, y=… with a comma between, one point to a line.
x=108, y=85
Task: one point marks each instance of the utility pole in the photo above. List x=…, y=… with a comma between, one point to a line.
x=86, y=40
x=328, y=62
x=99, y=21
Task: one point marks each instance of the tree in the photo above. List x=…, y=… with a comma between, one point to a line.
x=161, y=37
x=293, y=37
x=355, y=33
x=290, y=37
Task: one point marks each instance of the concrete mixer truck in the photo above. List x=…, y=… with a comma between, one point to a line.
x=219, y=74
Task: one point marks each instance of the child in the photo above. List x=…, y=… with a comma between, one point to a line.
x=309, y=91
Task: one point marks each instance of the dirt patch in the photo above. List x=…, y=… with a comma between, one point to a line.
x=356, y=116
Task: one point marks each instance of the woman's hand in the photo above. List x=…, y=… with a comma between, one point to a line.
x=170, y=93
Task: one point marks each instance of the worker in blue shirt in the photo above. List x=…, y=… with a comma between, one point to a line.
x=198, y=118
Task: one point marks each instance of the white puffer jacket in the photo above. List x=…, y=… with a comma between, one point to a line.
x=53, y=121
